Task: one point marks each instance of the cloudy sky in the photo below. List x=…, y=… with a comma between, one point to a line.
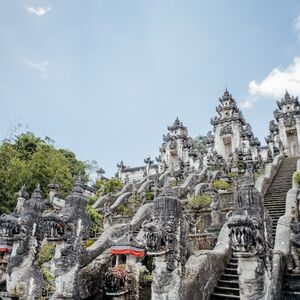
x=104, y=78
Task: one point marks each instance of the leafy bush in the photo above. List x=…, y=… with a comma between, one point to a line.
x=241, y=165
x=221, y=184
x=199, y=201
x=48, y=283
x=148, y=277
x=124, y=210
x=47, y=276
x=297, y=177
x=108, y=186
x=149, y=195
x=46, y=253
x=89, y=243
x=94, y=215
x=232, y=175
x=92, y=200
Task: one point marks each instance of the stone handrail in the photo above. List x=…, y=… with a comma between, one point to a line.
x=282, y=242
x=203, y=269
x=263, y=182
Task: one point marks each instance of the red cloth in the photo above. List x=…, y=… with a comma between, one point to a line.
x=128, y=251
x=5, y=250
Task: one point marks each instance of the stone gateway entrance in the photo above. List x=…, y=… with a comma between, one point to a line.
x=227, y=146
x=292, y=141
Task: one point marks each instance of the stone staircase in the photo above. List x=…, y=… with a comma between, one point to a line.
x=291, y=288
x=274, y=198
x=228, y=285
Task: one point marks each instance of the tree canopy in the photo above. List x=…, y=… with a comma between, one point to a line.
x=28, y=159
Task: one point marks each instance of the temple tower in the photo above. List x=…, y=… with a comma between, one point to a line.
x=288, y=118
x=175, y=151
x=227, y=126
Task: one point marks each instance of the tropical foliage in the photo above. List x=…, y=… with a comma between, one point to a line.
x=221, y=184
x=28, y=159
x=200, y=201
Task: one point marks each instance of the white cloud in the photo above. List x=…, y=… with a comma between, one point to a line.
x=42, y=67
x=275, y=84
x=39, y=10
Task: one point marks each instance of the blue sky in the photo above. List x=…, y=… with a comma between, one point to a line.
x=105, y=78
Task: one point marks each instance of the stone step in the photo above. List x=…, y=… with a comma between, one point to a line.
x=274, y=200
x=229, y=277
x=291, y=295
x=276, y=208
x=230, y=283
x=232, y=271
x=223, y=296
x=275, y=196
x=232, y=264
x=227, y=290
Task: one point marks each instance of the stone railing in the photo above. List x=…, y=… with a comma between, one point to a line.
x=203, y=269
x=263, y=182
x=281, y=250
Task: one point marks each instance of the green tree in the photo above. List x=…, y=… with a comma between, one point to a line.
x=108, y=186
x=28, y=159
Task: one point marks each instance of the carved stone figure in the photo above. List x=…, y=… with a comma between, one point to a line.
x=165, y=239
x=251, y=239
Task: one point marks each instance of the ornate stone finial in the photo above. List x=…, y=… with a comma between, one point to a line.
x=100, y=172
x=78, y=183
x=226, y=97
x=22, y=193
x=121, y=165
x=37, y=194
x=286, y=100
x=287, y=96
x=176, y=125
x=148, y=160
x=53, y=186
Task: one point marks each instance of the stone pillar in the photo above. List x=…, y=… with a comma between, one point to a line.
x=250, y=281
x=251, y=234
x=165, y=239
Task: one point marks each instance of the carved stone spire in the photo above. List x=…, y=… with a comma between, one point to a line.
x=176, y=125
x=227, y=110
x=22, y=193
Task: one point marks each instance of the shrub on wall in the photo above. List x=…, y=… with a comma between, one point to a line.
x=199, y=201
x=46, y=253
x=297, y=177
x=221, y=184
